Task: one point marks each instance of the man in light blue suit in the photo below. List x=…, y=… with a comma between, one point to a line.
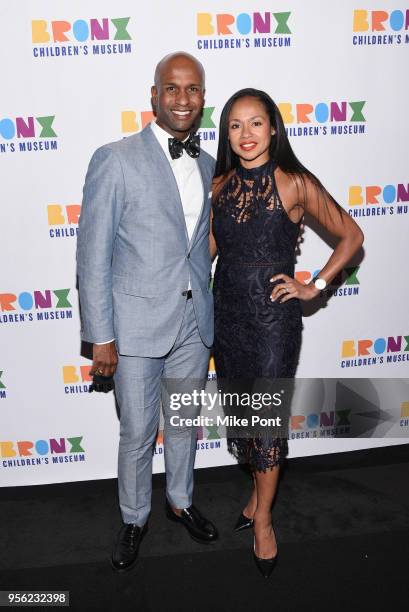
x=146, y=305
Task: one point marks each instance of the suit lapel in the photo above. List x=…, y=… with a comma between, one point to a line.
x=165, y=172
x=204, y=176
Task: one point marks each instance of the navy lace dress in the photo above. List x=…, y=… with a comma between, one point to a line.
x=254, y=337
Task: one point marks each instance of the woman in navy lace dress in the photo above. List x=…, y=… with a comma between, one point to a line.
x=260, y=194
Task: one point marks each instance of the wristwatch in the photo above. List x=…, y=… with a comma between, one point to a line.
x=320, y=283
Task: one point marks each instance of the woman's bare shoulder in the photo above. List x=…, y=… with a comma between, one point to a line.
x=218, y=183
x=291, y=186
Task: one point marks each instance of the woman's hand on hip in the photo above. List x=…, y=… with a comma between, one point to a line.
x=291, y=288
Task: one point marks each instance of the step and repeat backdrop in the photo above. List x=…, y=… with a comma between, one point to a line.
x=77, y=75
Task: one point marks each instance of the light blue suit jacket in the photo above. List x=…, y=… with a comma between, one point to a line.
x=134, y=257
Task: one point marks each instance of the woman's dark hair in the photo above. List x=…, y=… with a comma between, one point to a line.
x=280, y=148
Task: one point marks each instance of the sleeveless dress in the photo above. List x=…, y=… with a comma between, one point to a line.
x=254, y=337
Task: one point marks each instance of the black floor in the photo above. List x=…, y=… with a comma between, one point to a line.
x=342, y=524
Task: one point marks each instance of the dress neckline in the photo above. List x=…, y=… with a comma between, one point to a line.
x=252, y=173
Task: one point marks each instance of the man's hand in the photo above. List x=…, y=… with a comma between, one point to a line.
x=105, y=359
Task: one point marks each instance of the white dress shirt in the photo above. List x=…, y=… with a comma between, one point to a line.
x=189, y=181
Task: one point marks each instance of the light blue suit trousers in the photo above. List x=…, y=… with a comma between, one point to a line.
x=141, y=386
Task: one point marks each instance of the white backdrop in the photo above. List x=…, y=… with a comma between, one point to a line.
x=77, y=75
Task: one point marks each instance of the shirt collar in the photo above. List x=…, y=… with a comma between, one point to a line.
x=163, y=138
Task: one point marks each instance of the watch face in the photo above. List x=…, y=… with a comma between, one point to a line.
x=320, y=283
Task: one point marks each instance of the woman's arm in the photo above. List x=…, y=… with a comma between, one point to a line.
x=212, y=241
x=217, y=184
x=338, y=223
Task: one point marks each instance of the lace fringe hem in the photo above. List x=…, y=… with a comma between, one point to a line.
x=260, y=454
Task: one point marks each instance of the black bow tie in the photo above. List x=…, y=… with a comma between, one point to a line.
x=191, y=146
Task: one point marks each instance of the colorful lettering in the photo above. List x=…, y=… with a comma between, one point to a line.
x=389, y=193
x=42, y=300
x=357, y=111
x=69, y=374
x=56, y=216
x=62, y=297
x=391, y=344
x=25, y=127
x=7, y=449
x=348, y=348
x=352, y=278
x=79, y=30
x=327, y=419
x=39, y=32
x=243, y=23
x=57, y=447
x=47, y=131
x=38, y=299
x=24, y=448
x=41, y=447
x=75, y=445
x=335, y=112
x=376, y=20
x=132, y=121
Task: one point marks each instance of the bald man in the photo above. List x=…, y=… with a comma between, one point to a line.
x=146, y=305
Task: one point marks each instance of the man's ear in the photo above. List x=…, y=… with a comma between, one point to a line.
x=154, y=97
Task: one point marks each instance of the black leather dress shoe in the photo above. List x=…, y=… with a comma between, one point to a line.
x=200, y=529
x=125, y=553
x=243, y=522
